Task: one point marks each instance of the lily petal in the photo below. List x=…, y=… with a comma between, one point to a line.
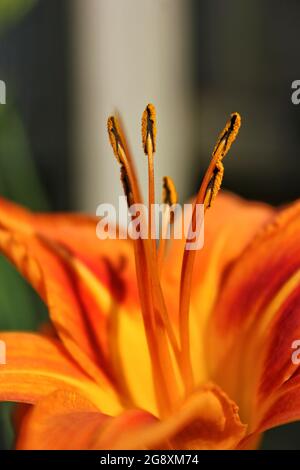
x=282, y=408
x=37, y=365
x=45, y=271
x=285, y=406
x=63, y=420
x=90, y=288
x=230, y=225
x=257, y=317
x=208, y=420
x=77, y=234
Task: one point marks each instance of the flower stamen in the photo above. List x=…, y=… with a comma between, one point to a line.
x=149, y=145
x=121, y=151
x=152, y=303
x=149, y=128
x=214, y=185
x=149, y=132
x=208, y=190
x=169, y=199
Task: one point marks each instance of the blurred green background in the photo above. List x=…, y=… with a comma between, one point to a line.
x=237, y=56
x=19, y=181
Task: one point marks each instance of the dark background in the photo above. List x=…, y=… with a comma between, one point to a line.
x=34, y=62
x=244, y=56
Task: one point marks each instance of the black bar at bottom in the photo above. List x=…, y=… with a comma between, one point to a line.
x=134, y=459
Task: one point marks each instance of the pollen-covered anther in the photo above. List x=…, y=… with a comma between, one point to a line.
x=149, y=129
x=115, y=138
x=214, y=185
x=119, y=147
x=224, y=142
x=228, y=135
x=169, y=193
x=126, y=186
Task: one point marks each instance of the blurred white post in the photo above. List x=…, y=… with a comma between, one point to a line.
x=127, y=53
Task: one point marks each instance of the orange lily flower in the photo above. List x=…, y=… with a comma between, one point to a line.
x=156, y=349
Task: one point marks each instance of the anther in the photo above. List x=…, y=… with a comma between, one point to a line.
x=126, y=186
x=149, y=128
x=115, y=138
x=214, y=185
x=169, y=193
x=228, y=135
